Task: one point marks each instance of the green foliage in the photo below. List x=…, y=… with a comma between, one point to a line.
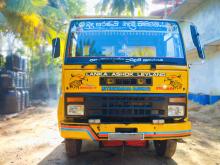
x=74, y=8
x=51, y=14
x=121, y=7
x=36, y=22
x=3, y=20
x=39, y=3
x=19, y=6
x=70, y=7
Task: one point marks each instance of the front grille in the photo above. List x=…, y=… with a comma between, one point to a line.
x=125, y=107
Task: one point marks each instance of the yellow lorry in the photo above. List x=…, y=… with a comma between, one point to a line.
x=124, y=80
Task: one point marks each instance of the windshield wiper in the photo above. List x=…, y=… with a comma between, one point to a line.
x=101, y=61
x=154, y=64
x=111, y=60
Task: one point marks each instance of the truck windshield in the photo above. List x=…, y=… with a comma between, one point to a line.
x=124, y=38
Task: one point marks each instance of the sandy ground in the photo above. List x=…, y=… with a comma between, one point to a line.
x=31, y=137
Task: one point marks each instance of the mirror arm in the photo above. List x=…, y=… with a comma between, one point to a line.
x=203, y=61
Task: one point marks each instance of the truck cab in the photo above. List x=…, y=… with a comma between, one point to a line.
x=124, y=79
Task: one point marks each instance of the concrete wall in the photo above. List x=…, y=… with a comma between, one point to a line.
x=204, y=78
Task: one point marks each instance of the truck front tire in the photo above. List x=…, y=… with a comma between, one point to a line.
x=165, y=148
x=73, y=147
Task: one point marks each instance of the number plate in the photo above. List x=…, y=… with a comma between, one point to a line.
x=125, y=136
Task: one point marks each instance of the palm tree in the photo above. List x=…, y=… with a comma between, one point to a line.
x=121, y=7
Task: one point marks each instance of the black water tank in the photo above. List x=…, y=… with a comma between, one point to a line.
x=25, y=80
x=22, y=99
x=11, y=102
x=24, y=64
x=27, y=98
x=22, y=79
x=7, y=79
x=19, y=79
x=13, y=62
x=2, y=102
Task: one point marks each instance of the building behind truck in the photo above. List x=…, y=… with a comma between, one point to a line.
x=14, y=84
x=195, y=11
x=204, y=87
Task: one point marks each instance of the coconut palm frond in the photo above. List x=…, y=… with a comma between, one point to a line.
x=117, y=7
x=121, y=7
x=131, y=7
x=19, y=6
x=52, y=14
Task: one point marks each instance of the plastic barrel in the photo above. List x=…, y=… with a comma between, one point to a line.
x=27, y=98
x=24, y=64
x=11, y=102
x=19, y=80
x=24, y=81
x=27, y=81
x=16, y=80
x=214, y=98
x=7, y=80
x=2, y=102
x=19, y=99
x=13, y=62
x=22, y=99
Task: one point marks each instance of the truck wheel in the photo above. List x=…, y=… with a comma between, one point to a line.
x=165, y=148
x=73, y=147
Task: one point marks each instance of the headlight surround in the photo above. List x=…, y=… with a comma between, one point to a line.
x=176, y=110
x=75, y=110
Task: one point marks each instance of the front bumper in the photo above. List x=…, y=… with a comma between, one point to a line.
x=98, y=132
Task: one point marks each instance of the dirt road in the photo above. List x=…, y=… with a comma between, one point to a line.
x=32, y=138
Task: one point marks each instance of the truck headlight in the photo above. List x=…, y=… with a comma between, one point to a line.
x=175, y=110
x=110, y=81
x=76, y=110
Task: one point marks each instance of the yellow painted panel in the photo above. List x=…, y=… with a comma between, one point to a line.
x=143, y=127
x=88, y=81
x=75, y=135
x=151, y=131
x=60, y=110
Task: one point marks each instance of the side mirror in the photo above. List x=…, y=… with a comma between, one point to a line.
x=56, y=47
x=196, y=41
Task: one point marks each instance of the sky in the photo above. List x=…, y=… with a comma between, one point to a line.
x=90, y=7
